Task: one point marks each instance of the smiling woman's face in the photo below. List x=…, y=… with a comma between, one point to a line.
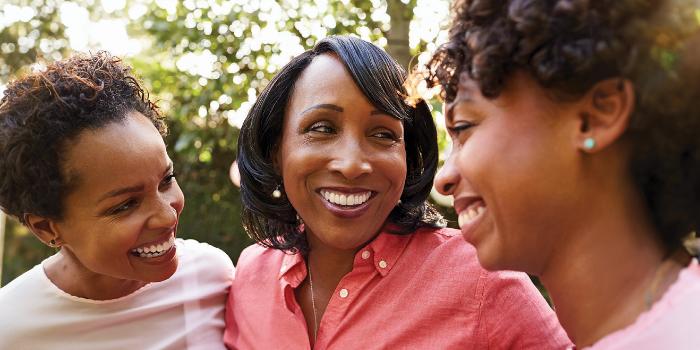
x=343, y=162
x=513, y=172
x=120, y=219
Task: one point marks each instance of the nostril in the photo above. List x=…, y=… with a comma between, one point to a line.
x=447, y=188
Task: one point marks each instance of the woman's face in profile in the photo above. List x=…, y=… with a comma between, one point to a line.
x=342, y=160
x=120, y=219
x=512, y=172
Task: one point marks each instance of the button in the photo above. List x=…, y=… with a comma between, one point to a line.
x=366, y=254
x=383, y=264
x=344, y=293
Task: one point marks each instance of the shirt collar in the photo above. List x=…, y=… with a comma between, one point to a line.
x=385, y=251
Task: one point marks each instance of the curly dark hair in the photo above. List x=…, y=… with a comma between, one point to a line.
x=42, y=112
x=274, y=222
x=568, y=46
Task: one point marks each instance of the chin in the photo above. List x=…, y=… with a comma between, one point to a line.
x=492, y=258
x=162, y=274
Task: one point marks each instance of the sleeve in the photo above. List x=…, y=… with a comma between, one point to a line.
x=514, y=315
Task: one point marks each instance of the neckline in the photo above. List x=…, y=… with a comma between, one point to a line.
x=63, y=294
x=647, y=317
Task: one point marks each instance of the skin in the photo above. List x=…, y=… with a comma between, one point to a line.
x=335, y=139
x=551, y=205
x=126, y=197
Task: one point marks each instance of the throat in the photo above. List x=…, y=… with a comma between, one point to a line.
x=69, y=275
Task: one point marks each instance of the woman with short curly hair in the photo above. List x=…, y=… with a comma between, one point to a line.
x=576, y=157
x=85, y=168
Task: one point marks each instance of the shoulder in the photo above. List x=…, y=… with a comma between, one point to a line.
x=448, y=247
x=256, y=260
x=20, y=286
x=22, y=296
x=203, y=259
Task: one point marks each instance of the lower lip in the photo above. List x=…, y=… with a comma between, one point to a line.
x=468, y=229
x=344, y=211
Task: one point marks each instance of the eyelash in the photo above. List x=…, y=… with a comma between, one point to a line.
x=457, y=130
x=131, y=202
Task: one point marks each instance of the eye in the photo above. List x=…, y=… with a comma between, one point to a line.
x=386, y=135
x=168, y=179
x=460, y=130
x=129, y=204
x=321, y=127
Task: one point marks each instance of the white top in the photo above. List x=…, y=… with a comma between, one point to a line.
x=185, y=311
x=671, y=323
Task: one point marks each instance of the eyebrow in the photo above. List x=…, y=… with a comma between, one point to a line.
x=130, y=189
x=334, y=108
x=329, y=106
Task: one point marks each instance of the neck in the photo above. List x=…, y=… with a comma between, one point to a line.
x=71, y=276
x=601, y=279
x=328, y=264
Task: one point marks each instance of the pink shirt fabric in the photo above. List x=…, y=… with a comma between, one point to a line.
x=425, y=290
x=671, y=323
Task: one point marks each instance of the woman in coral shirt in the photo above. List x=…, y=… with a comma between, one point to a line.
x=336, y=169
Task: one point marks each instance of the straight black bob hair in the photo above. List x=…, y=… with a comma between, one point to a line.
x=273, y=222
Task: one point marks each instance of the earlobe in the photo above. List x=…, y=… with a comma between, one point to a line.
x=606, y=111
x=44, y=229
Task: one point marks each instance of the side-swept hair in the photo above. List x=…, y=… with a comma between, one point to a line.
x=273, y=222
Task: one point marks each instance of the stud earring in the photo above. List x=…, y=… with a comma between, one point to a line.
x=277, y=193
x=589, y=143
x=52, y=243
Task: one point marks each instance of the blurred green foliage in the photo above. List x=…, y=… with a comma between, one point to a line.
x=245, y=43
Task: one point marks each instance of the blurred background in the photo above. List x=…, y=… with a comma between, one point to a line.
x=204, y=61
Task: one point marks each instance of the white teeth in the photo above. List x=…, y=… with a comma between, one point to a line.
x=467, y=216
x=346, y=199
x=154, y=250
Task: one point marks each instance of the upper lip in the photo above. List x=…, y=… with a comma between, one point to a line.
x=163, y=237
x=348, y=190
x=464, y=201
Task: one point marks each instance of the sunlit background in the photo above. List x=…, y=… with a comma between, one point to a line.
x=205, y=61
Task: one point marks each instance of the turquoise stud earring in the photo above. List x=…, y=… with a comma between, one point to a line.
x=589, y=143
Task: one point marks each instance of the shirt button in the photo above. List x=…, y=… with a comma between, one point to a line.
x=366, y=254
x=383, y=264
x=344, y=293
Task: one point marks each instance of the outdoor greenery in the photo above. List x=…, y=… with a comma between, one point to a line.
x=204, y=61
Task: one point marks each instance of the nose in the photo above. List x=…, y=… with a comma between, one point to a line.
x=167, y=208
x=447, y=179
x=351, y=159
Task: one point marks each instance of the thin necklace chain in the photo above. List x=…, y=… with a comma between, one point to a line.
x=313, y=301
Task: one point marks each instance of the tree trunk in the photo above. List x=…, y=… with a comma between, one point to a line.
x=397, y=37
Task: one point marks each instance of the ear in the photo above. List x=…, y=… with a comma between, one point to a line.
x=44, y=229
x=605, y=112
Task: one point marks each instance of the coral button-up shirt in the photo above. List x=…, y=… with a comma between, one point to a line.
x=425, y=290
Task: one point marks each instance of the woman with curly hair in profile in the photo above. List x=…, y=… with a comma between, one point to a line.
x=85, y=168
x=576, y=157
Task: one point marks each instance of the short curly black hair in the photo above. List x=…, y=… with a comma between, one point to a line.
x=42, y=112
x=274, y=222
x=568, y=46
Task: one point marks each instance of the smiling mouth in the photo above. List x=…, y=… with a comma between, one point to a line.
x=471, y=214
x=154, y=250
x=348, y=200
